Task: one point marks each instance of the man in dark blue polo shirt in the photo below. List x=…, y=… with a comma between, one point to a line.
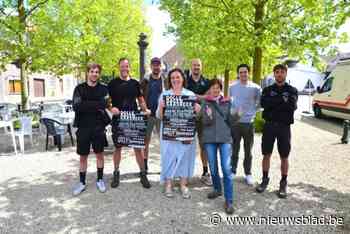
x=198, y=84
x=152, y=86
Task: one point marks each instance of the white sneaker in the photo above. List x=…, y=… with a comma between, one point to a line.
x=249, y=180
x=100, y=184
x=78, y=189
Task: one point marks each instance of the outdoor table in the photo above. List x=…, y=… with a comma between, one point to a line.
x=67, y=119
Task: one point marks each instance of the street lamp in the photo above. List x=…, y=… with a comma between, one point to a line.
x=142, y=46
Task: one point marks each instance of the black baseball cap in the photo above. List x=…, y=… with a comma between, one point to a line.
x=156, y=60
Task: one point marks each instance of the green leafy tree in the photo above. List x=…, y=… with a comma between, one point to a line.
x=225, y=33
x=63, y=36
x=102, y=31
x=16, y=30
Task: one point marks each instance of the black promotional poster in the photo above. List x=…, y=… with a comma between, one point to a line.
x=179, y=118
x=132, y=129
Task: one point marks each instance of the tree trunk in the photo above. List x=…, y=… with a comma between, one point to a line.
x=226, y=81
x=258, y=51
x=257, y=65
x=23, y=57
x=24, y=84
x=86, y=62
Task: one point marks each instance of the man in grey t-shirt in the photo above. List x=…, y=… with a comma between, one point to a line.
x=246, y=97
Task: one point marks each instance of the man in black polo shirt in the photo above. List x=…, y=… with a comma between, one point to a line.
x=279, y=102
x=198, y=84
x=89, y=103
x=124, y=92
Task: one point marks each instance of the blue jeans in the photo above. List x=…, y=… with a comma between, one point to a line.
x=225, y=156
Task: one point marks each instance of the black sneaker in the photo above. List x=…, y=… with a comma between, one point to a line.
x=214, y=194
x=282, y=192
x=229, y=208
x=144, y=180
x=262, y=187
x=115, y=180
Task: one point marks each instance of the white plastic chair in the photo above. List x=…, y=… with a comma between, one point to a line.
x=25, y=130
x=6, y=124
x=5, y=116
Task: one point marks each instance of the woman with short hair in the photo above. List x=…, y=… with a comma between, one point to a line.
x=217, y=116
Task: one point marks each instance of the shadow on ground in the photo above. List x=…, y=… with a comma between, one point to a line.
x=328, y=124
x=39, y=141
x=47, y=206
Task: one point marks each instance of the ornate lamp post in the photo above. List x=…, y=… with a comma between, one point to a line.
x=142, y=46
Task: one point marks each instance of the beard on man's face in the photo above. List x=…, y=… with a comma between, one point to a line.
x=280, y=80
x=155, y=72
x=196, y=71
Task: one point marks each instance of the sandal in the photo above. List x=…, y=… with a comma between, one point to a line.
x=169, y=192
x=185, y=192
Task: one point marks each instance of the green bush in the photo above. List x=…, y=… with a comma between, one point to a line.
x=259, y=122
x=35, y=121
x=16, y=124
x=36, y=117
x=36, y=125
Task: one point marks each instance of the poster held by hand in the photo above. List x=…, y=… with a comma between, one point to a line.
x=179, y=118
x=131, y=130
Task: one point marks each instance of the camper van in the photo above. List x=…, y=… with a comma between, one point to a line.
x=333, y=97
x=303, y=77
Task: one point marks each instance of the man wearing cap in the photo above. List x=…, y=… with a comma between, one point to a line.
x=198, y=84
x=152, y=86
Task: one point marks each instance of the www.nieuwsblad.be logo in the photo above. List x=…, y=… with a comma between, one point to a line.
x=216, y=219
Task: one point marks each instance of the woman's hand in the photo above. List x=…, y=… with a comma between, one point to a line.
x=197, y=108
x=147, y=112
x=208, y=111
x=160, y=110
x=161, y=104
x=115, y=111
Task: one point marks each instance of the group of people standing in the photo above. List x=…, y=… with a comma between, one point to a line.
x=221, y=123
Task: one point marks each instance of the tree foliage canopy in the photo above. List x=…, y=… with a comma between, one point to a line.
x=225, y=33
x=61, y=35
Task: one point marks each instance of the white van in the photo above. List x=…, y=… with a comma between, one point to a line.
x=333, y=98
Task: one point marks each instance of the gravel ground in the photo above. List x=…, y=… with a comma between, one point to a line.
x=35, y=192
